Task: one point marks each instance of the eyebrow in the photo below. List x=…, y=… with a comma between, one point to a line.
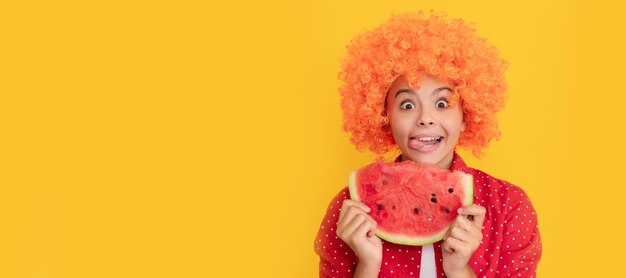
x=436, y=91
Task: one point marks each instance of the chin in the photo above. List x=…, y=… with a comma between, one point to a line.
x=435, y=158
x=422, y=158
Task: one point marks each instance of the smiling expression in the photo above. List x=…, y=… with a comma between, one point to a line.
x=423, y=123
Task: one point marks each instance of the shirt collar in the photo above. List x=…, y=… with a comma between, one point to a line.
x=457, y=163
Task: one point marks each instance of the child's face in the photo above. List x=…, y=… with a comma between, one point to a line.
x=423, y=124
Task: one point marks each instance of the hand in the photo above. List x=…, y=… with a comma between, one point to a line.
x=356, y=228
x=461, y=240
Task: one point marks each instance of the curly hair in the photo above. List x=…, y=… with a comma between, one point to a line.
x=410, y=45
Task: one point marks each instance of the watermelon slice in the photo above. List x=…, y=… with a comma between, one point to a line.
x=412, y=203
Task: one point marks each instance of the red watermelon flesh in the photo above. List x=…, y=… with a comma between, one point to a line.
x=412, y=203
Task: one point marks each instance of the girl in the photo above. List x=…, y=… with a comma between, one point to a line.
x=423, y=86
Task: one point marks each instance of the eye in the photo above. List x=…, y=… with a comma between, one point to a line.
x=442, y=103
x=407, y=105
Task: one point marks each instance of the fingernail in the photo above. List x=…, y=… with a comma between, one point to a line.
x=459, y=210
x=368, y=209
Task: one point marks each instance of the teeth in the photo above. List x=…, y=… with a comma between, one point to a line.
x=428, y=138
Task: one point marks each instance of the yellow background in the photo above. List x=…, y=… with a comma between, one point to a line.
x=188, y=139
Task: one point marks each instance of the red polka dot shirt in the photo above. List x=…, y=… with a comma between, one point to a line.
x=511, y=245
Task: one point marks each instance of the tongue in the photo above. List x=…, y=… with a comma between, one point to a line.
x=421, y=145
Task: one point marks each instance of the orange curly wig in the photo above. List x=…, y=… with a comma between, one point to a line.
x=410, y=45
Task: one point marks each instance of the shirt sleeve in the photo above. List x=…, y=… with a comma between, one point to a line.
x=521, y=244
x=336, y=257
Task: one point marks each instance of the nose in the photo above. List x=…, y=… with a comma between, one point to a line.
x=424, y=123
x=425, y=118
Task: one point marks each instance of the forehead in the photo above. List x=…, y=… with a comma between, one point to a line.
x=427, y=85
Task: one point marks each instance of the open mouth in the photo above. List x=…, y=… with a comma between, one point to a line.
x=426, y=143
x=433, y=140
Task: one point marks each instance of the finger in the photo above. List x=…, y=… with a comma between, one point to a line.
x=479, y=218
x=475, y=211
x=345, y=216
x=349, y=227
x=463, y=223
x=350, y=205
x=473, y=230
x=344, y=208
x=461, y=234
x=446, y=247
x=354, y=224
x=350, y=202
x=363, y=229
x=350, y=212
x=358, y=211
x=458, y=246
x=375, y=239
x=472, y=209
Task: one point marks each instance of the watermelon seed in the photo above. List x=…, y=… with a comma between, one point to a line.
x=384, y=182
x=447, y=210
x=434, y=200
x=433, y=194
x=450, y=190
x=379, y=207
x=416, y=210
x=393, y=207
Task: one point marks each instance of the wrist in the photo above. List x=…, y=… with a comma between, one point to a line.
x=370, y=264
x=366, y=269
x=465, y=272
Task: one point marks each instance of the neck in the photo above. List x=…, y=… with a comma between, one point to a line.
x=447, y=161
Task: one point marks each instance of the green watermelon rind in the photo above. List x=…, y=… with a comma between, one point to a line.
x=468, y=186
